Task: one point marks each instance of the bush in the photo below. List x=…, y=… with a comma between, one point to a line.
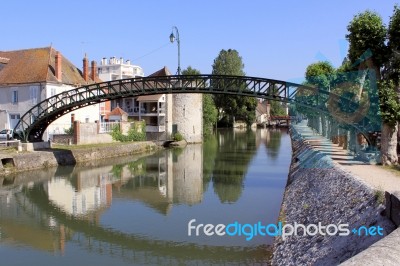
x=69, y=131
x=135, y=133
x=178, y=136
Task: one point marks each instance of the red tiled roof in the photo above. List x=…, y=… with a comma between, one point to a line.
x=162, y=72
x=117, y=111
x=38, y=65
x=262, y=107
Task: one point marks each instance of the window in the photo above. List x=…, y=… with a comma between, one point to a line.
x=33, y=92
x=14, y=98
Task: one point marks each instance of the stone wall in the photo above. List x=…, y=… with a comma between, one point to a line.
x=50, y=158
x=63, y=139
x=89, y=134
x=318, y=191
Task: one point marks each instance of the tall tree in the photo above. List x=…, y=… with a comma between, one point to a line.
x=229, y=62
x=367, y=35
x=210, y=113
x=367, y=50
x=389, y=93
x=393, y=64
x=390, y=112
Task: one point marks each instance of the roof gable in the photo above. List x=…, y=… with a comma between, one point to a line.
x=162, y=72
x=38, y=65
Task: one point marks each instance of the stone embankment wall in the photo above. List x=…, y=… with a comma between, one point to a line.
x=318, y=191
x=54, y=157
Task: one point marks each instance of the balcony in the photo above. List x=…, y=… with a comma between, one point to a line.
x=143, y=112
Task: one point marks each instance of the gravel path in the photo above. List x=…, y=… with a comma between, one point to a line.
x=373, y=175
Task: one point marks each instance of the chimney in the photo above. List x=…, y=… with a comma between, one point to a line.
x=94, y=70
x=85, y=68
x=58, y=66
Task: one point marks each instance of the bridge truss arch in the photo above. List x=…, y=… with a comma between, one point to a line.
x=34, y=122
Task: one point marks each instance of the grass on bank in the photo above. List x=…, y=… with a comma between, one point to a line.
x=90, y=146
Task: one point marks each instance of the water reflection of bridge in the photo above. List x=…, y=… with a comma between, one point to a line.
x=27, y=216
x=31, y=209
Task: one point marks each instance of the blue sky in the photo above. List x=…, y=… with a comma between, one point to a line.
x=276, y=39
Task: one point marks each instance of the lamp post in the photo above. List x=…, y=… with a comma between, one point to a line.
x=172, y=39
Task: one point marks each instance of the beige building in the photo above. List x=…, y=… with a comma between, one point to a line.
x=30, y=76
x=262, y=112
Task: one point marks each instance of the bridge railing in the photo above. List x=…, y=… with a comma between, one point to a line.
x=35, y=121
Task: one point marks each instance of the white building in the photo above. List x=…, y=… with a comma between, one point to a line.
x=30, y=76
x=164, y=114
x=149, y=108
x=113, y=68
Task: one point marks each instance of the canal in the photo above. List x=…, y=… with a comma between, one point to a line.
x=136, y=210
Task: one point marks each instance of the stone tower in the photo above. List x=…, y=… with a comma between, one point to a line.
x=187, y=113
x=184, y=113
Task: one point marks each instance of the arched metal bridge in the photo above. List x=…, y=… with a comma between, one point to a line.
x=35, y=121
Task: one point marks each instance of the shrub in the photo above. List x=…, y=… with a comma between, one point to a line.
x=135, y=133
x=178, y=136
x=69, y=131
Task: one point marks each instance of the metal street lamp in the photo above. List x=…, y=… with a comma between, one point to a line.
x=172, y=39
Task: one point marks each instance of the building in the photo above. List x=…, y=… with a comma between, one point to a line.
x=163, y=114
x=262, y=112
x=30, y=76
x=113, y=68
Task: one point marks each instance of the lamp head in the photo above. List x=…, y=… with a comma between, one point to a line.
x=172, y=37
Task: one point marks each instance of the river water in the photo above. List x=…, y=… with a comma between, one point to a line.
x=136, y=210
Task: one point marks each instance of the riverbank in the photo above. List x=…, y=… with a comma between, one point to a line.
x=320, y=191
x=13, y=161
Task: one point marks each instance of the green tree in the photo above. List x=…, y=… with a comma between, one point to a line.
x=367, y=35
x=389, y=93
x=210, y=113
x=190, y=71
x=390, y=112
x=321, y=74
x=277, y=109
x=367, y=32
x=393, y=64
x=229, y=62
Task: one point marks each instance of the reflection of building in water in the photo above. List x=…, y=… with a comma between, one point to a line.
x=263, y=136
x=159, y=181
x=24, y=223
x=173, y=176
x=85, y=193
x=187, y=175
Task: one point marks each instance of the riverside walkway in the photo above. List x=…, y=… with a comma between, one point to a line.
x=387, y=250
x=375, y=176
